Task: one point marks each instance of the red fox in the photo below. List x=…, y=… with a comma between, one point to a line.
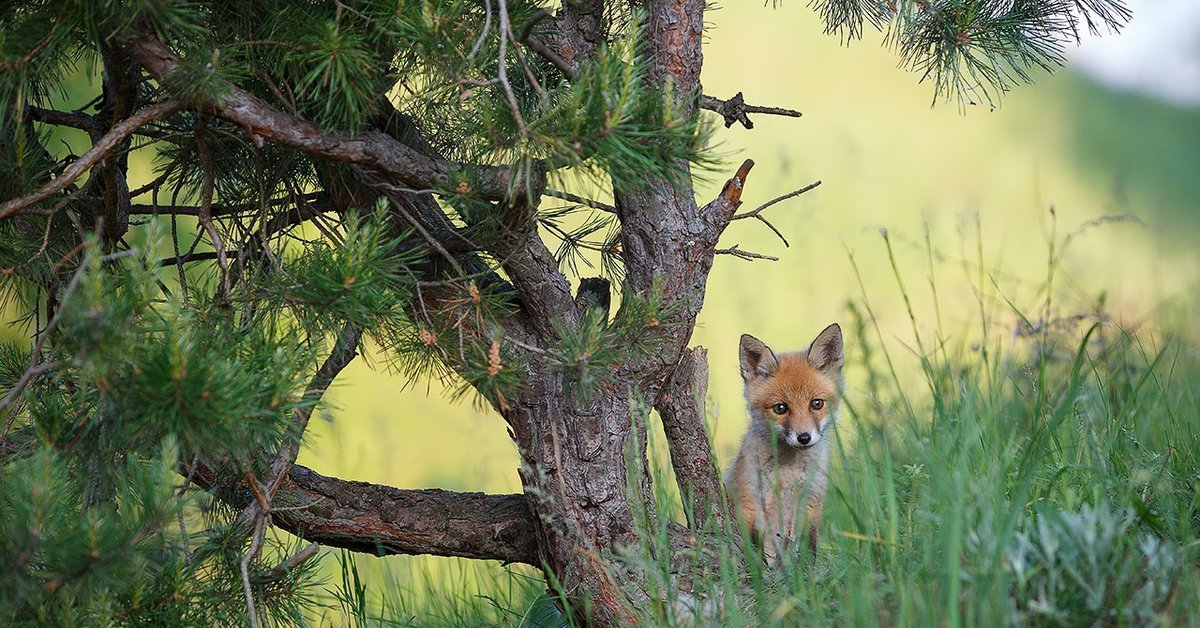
x=793, y=398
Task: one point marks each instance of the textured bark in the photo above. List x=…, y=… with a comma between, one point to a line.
x=545, y=291
x=382, y=520
x=575, y=478
x=120, y=80
x=682, y=408
x=575, y=454
x=579, y=31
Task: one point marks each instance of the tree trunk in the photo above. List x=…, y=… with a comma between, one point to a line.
x=576, y=479
x=576, y=455
x=575, y=471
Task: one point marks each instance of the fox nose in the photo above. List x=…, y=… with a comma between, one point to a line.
x=804, y=438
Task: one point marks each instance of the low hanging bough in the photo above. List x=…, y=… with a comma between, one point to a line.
x=325, y=174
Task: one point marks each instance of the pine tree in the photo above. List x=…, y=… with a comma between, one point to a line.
x=183, y=328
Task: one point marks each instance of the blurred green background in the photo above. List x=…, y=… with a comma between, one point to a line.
x=888, y=160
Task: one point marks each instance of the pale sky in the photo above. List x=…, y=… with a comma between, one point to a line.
x=1157, y=53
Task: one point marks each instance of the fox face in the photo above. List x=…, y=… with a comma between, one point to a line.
x=796, y=393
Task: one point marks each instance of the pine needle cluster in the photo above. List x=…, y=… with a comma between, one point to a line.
x=975, y=50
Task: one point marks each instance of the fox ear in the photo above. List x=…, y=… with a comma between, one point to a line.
x=756, y=358
x=825, y=354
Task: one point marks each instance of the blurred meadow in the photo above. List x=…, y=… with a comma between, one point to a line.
x=978, y=205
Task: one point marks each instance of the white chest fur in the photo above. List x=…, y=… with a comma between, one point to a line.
x=789, y=486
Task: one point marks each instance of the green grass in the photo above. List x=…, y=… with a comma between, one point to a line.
x=1029, y=467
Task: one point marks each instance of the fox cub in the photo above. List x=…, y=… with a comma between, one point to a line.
x=793, y=399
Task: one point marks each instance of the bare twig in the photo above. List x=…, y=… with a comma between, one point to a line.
x=537, y=85
x=540, y=47
x=206, y=196
x=735, y=110
x=757, y=212
x=344, y=350
x=151, y=186
x=487, y=26
x=432, y=241
x=587, y=202
x=72, y=119
x=746, y=255
x=537, y=18
x=79, y=120
x=260, y=527
x=288, y=565
x=546, y=53
x=502, y=72
x=537, y=45
x=198, y=256
x=99, y=151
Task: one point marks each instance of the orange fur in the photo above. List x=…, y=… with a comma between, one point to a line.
x=793, y=399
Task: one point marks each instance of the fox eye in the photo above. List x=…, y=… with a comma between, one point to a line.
x=779, y=408
x=816, y=404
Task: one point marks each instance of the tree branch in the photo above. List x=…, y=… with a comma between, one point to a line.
x=142, y=209
x=344, y=350
x=545, y=291
x=681, y=405
x=537, y=45
x=511, y=238
x=99, y=151
x=586, y=202
x=730, y=198
x=580, y=29
x=73, y=119
x=756, y=213
x=382, y=520
x=749, y=256
x=735, y=110
x=288, y=565
x=373, y=149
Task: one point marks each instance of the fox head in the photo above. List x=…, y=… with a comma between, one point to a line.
x=796, y=393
